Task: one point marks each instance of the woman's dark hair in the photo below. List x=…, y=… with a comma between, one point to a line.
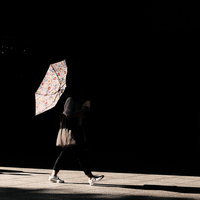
x=75, y=92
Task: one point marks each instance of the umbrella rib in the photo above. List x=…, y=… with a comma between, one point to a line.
x=50, y=104
x=60, y=82
x=56, y=74
x=50, y=94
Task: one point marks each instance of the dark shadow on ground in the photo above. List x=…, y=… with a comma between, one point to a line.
x=2, y=171
x=16, y=172
x=21, y=194
x=192, y=190
x=179, y=189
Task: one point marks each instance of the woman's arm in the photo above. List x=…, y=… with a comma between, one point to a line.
x=77, y=113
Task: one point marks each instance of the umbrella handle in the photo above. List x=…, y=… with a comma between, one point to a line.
x=65, y=94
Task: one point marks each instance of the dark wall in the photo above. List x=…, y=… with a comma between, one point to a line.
x=143, y=114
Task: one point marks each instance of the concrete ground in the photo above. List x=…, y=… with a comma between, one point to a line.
x=31, y=183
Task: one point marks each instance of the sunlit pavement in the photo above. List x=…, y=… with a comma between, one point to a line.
x=31, y=183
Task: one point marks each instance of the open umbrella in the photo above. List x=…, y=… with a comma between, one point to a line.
x=51, y=88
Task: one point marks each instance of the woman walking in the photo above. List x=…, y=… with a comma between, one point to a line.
x=71, y=138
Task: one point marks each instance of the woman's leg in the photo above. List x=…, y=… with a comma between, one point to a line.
x=80, y=154
x=82, y=159
x=58, y=163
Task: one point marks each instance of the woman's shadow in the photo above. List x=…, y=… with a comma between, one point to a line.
x=180, y=189
x=194, y=190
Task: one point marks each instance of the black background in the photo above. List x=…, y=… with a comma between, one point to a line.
x=138, y=70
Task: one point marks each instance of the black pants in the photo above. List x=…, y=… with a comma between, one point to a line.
x=78, y=151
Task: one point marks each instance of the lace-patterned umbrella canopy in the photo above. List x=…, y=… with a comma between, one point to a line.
x=51, y=88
